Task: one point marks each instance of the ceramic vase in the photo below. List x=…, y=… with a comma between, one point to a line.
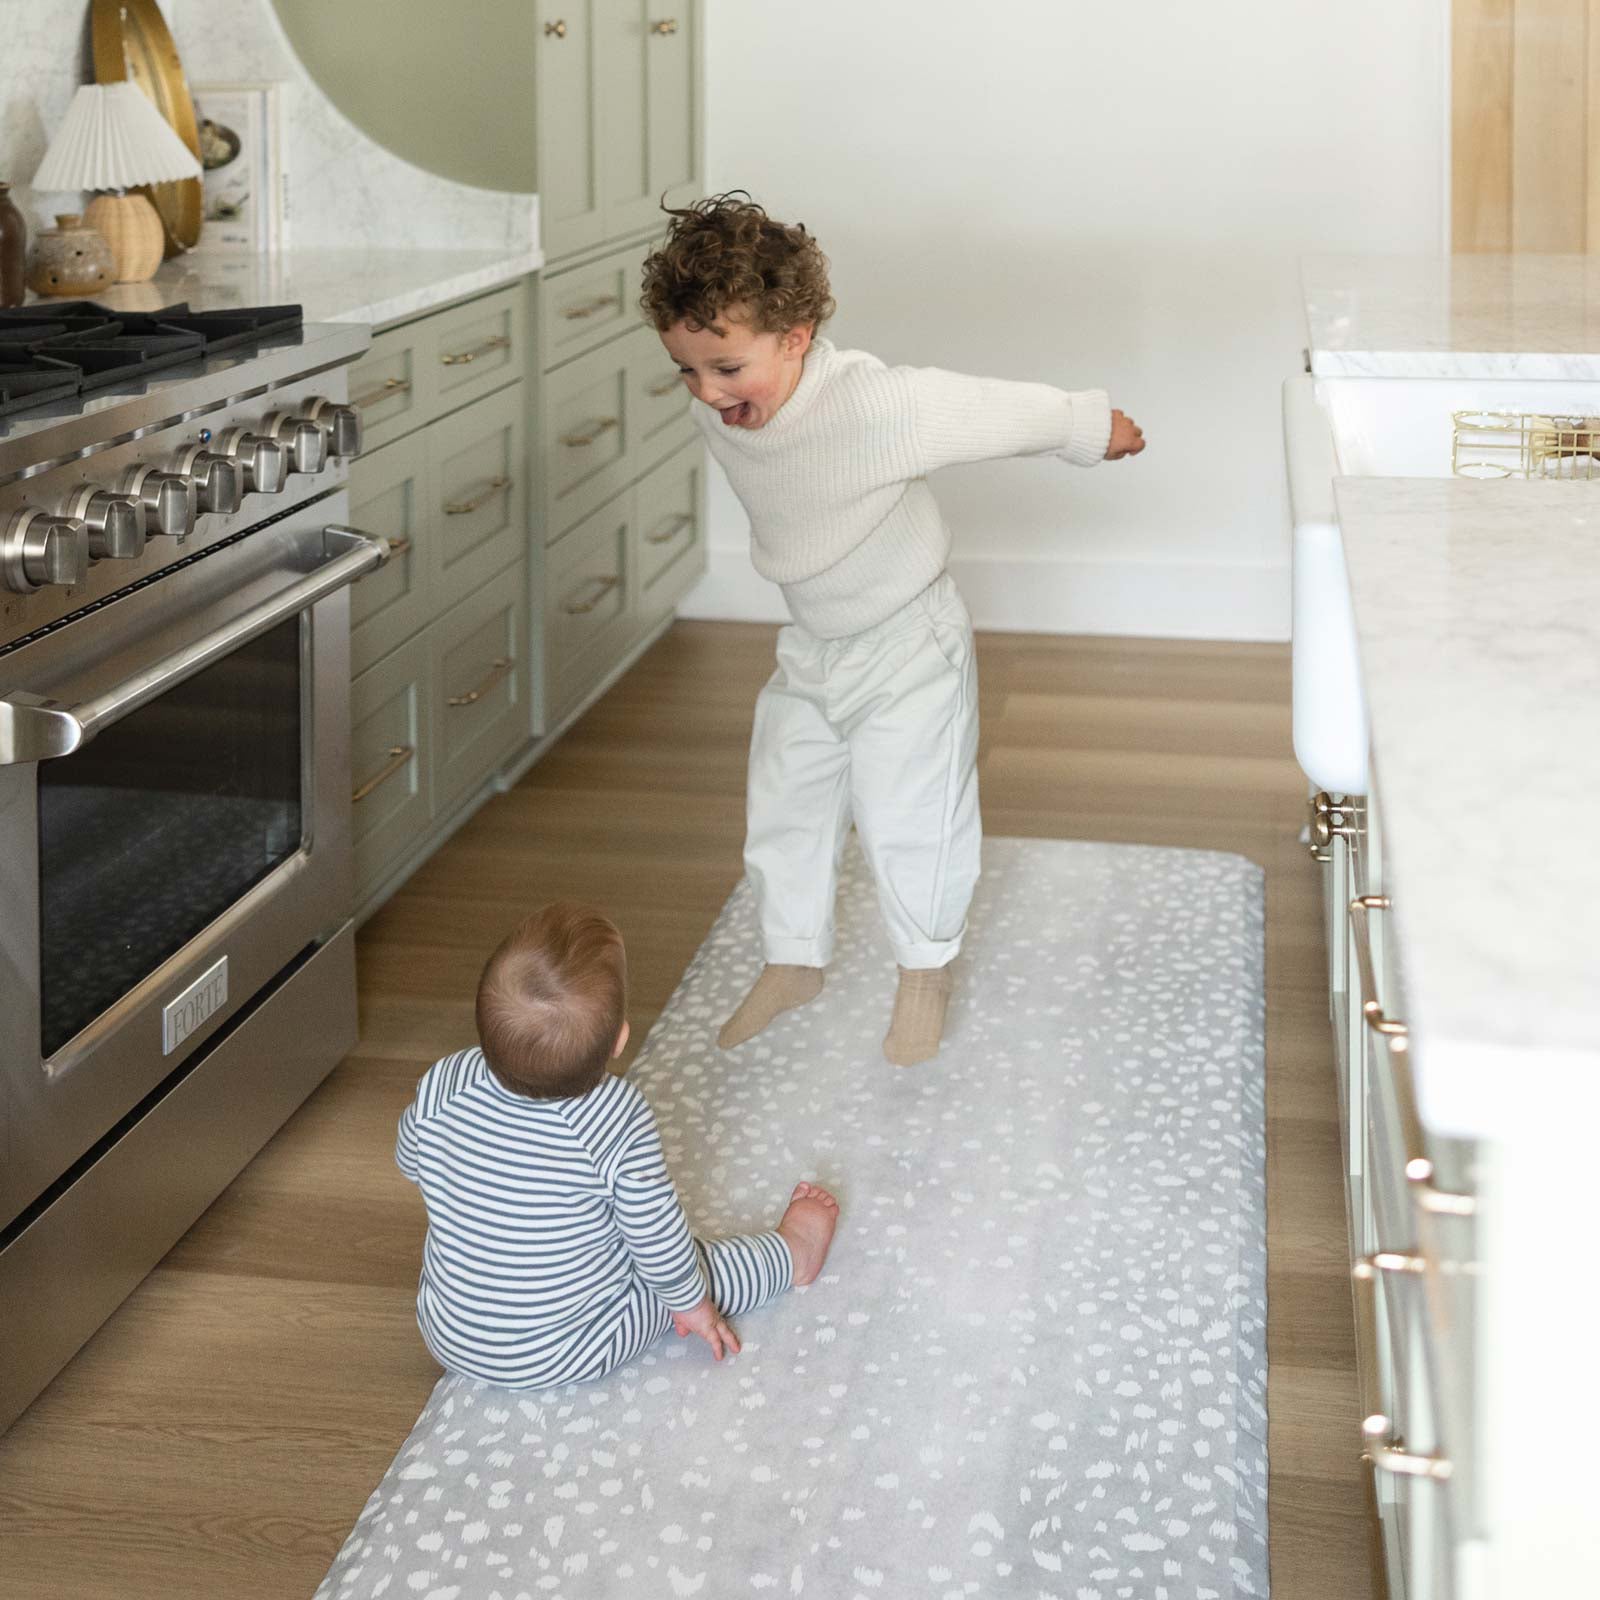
x=13, y=250
x=70, y=259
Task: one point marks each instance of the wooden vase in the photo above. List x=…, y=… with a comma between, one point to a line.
x=132, y=227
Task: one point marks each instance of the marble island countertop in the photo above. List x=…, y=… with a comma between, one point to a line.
x=372, y=285
x=1477, y=608
x=1453, y=316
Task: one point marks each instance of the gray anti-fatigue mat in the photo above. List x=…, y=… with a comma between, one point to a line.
x=1035, y=1365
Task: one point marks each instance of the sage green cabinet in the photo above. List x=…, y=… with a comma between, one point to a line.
x=619, y=111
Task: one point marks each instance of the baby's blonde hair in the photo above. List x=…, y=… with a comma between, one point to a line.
x=552, y=1001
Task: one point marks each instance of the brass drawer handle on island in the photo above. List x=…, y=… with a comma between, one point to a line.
x=668, y=25
x=579, y=441
x=493, y=676
x=465, y=358
x=399, y=756
x=603, y=587
x=579, y=313
x=463, y=508
x=667, y=534
x=1419, y=1167
x=1380, y=1448
x=385, y=391
x=659, y=391
x=555, y=30
x=400, y=546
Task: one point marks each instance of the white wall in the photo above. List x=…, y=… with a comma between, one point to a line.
x=1089, y=194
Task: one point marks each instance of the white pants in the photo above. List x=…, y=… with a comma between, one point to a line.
x=880, y=728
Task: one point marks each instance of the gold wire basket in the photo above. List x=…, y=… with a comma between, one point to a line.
x=1523, y=444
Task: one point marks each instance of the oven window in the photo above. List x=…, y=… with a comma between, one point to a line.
x=162, y=822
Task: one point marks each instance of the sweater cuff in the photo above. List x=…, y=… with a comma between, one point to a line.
x=1090, y=437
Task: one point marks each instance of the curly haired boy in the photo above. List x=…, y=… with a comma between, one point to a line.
x=872, y=713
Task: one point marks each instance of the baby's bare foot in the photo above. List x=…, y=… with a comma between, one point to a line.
x=807, y=1227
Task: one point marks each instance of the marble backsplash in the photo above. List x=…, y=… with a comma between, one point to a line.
x=342, y=189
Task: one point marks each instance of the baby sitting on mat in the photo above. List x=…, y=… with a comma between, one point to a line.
x=557, y=1249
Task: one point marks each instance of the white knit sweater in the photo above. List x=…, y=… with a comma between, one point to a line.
x=834, y=483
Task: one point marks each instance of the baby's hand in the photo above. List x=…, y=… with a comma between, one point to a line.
x=1127, y=437
x=705, y=1320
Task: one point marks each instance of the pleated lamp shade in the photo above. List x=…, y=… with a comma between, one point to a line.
x=114, y=139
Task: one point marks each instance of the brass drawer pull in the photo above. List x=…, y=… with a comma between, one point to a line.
x=495, y=674
x=399, y=755
x=579, y=441
x=1380, y=1449
x=671, y=531
x=1330, y=817
x=399, y=547
x=666, y=26
x=578, y=313
x=603, y=587
x=465, y=358
x=1419, y=1167
x=463, y=508
x=555, y=30
x=387, y=390
x=659, y=391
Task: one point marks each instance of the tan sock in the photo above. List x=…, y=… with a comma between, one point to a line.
x=779, y=988
x=917, y=1025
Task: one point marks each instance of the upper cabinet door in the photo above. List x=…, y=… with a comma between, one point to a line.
x=626, y=173
x=571, y=183
x=672, y=95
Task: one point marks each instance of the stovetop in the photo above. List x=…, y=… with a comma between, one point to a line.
x=52, y=351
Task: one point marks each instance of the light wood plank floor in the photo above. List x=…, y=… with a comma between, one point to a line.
x=220, y=1434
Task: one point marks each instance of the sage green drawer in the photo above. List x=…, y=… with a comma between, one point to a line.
x=475, y=348
x=587, y=305
x=589, y=616
x=390, y=496
x=661, y=403
x=587, y=449
x=479, y=507
x=478, y=661
x=669, y=519
x=389, y=388
x=389, y=760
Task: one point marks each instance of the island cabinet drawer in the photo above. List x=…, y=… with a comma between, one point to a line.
x=661, y=402
x=586, y=306
x=479, y=677
x=475, y=348
x=589, y=615
x=389, y=389
x=390, y=496
x=670, y=529
x=479, y=493
x=389, y=760
x=589, y=426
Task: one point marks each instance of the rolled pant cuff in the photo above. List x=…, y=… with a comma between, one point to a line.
x=798, y=952
x=938, y=954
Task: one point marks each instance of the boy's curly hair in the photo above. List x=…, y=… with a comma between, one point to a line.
x=726, y=251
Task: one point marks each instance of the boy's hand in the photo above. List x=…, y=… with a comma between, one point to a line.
x=1127, y=437
x=705, y=1320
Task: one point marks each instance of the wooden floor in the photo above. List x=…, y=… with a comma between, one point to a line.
x=220, y=1434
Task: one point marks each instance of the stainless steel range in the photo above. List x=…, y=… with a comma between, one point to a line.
x=176, y=952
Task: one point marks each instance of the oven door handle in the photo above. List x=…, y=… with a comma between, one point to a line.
x=33, y=728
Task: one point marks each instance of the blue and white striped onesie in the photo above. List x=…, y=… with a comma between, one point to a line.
x=557, y=1248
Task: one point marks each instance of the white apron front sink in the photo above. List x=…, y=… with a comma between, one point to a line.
x=1368, y=428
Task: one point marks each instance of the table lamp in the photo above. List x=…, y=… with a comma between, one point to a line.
x=112, y=139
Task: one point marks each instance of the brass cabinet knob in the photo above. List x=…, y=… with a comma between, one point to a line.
x=555, y=30
x=665, y=26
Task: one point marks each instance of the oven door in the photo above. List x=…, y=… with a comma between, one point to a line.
x=174, y=826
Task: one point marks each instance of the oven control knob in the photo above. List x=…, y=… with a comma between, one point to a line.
x=114, y=522
x=214, y=479
x=303, y=439
x=40, y=549
x=166, y=499
x=260, y=460
x=341, y=425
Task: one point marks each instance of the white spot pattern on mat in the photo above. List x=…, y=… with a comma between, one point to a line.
x=1035, y=1365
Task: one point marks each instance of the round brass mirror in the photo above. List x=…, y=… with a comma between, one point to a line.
x=448, y=88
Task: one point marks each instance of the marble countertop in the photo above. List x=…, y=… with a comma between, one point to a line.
x=1477, y=609
x=376, y=286
x=1453, y=316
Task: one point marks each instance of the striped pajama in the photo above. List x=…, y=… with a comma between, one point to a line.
x=557, y=1248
